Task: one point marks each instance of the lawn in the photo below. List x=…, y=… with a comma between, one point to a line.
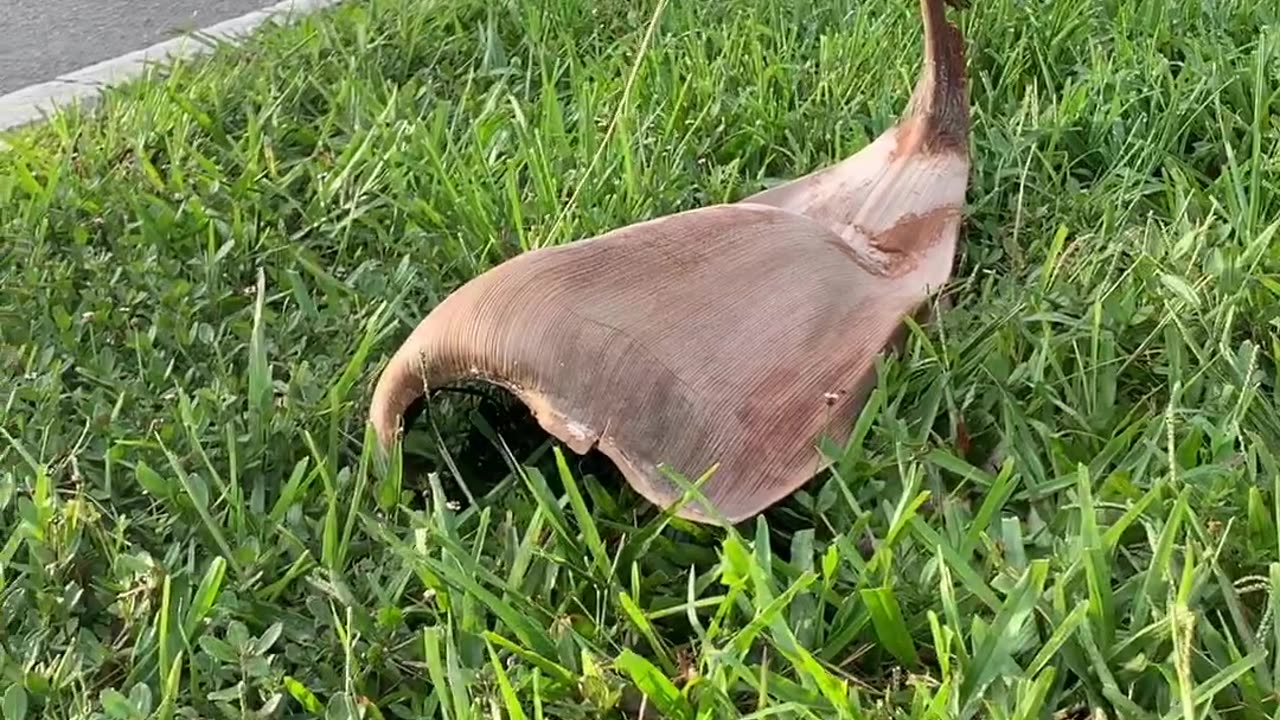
x=1062, y=501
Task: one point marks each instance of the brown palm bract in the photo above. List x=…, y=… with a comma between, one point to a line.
x=734, y=336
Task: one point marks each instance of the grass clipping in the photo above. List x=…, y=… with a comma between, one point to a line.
x=728, y=338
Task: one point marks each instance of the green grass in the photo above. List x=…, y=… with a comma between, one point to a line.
x=1063, y=500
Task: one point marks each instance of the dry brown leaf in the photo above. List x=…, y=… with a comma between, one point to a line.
x=732, y=336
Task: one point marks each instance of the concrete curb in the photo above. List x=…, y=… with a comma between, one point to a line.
x=33, y=103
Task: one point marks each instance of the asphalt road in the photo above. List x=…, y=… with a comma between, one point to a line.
x=41, y=39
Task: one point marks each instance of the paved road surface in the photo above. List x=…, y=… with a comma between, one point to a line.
x=41, y=39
